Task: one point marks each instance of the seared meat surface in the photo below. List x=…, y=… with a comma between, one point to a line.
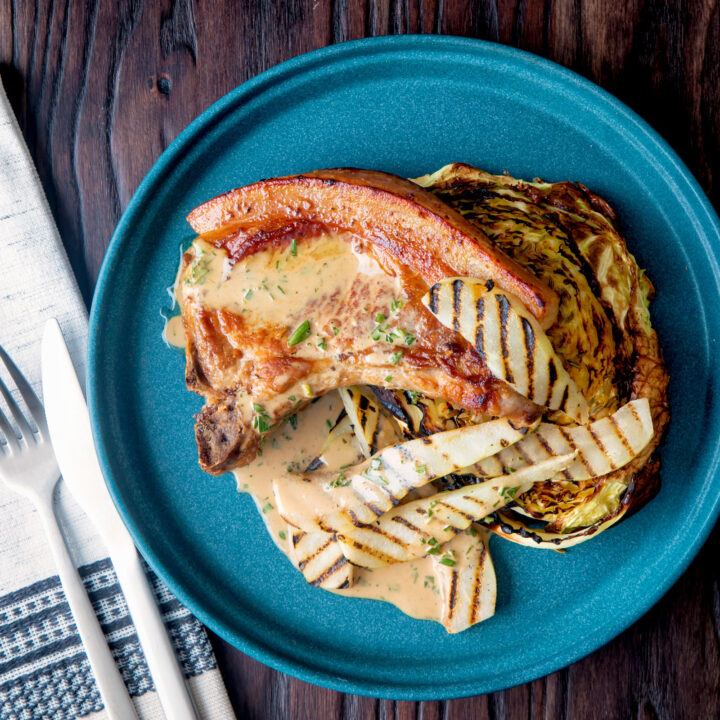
x=280, y=305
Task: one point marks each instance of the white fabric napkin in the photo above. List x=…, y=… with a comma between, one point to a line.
x=44, y=672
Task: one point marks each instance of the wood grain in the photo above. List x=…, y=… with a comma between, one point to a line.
x=101, y=88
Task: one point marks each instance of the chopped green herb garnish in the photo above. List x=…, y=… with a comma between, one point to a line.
x=335, y=330
x=307, y=390
x=329, y=424
x=413, y=395
x=248, y=294
x=395, y=305
x=301, y=332
x=421, y=469
x=339, y=481
x=379, y=318
x=388, y=378
x=293, y=421
x=322, y=344
x=448, y=561
x=409, y=338
x=395, y=357
x=379, y=479
x=282, y=535
x=376, y=334
x=432, y=541
x=268, y=507
x=293, y=247
x=283, y=292
x=434, y=551
x=198, y=270
x=261, y=424
x=376, y=463
x=261, y=421
x=292, y=398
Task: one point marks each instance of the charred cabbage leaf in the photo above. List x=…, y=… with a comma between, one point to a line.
x=570, y=239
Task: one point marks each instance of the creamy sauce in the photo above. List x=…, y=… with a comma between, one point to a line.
x=274, y=285
x=326, y=280
x=174, y=332
x=412, y=586
x=283, y=287
x=289, y=449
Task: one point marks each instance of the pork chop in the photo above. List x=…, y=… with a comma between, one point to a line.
x=298, y=286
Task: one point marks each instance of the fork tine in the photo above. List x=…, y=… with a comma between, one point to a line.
x=6, y=429
x=16, y=413
x=28, y=394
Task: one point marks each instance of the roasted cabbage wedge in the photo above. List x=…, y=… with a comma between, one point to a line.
x=509, y=340
x=421, y=527
x=419, y=414
x=569, y=238
x=335, y=500
x=466, y=578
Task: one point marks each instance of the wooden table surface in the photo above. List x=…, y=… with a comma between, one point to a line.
x=101, y=88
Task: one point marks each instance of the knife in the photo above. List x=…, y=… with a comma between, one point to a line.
x=72, y=440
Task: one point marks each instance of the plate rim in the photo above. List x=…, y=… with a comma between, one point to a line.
x=625, y=119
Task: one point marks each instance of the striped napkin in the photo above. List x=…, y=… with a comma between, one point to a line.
x=44, y=672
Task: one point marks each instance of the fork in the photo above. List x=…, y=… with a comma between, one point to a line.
x=28, y=466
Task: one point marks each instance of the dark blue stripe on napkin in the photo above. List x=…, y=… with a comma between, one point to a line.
x=44, y=673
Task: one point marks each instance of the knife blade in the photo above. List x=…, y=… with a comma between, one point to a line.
x=71, y=434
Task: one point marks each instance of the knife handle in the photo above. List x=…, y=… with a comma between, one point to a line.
x=161, y=659
x=112, y=689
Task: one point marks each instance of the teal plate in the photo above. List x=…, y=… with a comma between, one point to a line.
x=407, y=105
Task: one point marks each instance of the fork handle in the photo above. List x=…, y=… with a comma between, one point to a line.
x=114, y=694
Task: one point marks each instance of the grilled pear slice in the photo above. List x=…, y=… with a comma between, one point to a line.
x=318, y=555
x=320, y=559
x=466, y=578
x=421, y=527
x=510, y=341
x=397, y=216
x=333, y=501
x=602, y=446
